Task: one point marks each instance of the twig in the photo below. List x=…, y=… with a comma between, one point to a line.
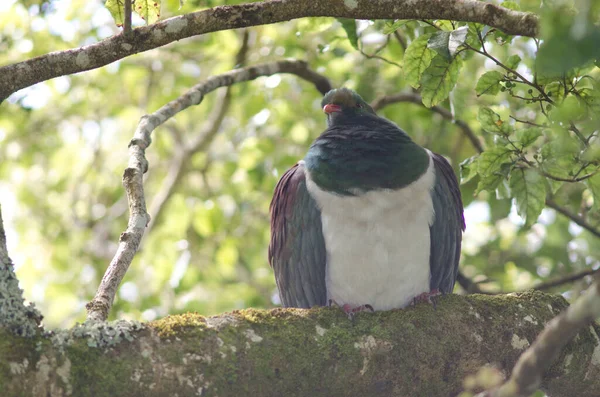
x=527, y=374
x=377, y=51
x=578, y=133
x=486, y=54
x=127, y=19
x=385, y=100
x=573, y=179
x=401, y=40
x=99, y=307
x=526, y=122
x=61, y=63
x=546, y=285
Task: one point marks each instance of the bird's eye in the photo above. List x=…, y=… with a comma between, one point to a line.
x=359, y=105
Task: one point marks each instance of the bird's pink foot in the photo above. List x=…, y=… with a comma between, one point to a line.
x=427, y=297
x=350, y=310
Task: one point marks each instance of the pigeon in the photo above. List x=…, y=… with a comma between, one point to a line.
x=368, y=220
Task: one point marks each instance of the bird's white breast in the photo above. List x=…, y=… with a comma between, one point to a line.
x=377, y=243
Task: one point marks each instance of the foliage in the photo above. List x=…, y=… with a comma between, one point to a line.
x=64, y=147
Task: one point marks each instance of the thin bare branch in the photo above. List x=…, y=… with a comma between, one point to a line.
x=573, y=216
x=415, y=98
x=99, y=307
x=61, y=63
x=546, y=285
x=469, y=285
x=528, y=372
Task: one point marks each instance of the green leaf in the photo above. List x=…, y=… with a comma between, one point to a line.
x=556, y=91
x=528, y=135
x=529, y=190
x=447, y=43
x=559, y=156
x=492, y=167
x=489, y=83
x=512, y=5
x=569, y=40
x=468, y=169
x=149, y=10
x=591, y=154
x=491, y=122
x=417, y=58
x=593, y=183
x=439, y=43
x=570, y=109
x=591, y=98
x=349, y=26
x=457, y=38
x=513, y=61
x=439, y=79
x=117, y=10
x=392, y=27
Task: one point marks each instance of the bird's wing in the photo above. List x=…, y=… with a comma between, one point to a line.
x=297, y=248
x=446, y=228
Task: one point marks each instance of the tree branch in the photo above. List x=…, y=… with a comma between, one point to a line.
x=129, y=242
x=573, y=216
x=418, y=351
x=60, y=63
x=527, y=374
x=546, y=285
x=415, y=98
x=468, y=285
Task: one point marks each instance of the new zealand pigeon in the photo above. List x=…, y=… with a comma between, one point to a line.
x=368, y=219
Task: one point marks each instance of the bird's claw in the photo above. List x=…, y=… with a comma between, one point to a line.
x=427, y=297
x=350, y=310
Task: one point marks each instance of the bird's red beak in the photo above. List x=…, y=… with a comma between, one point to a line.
x=330, y=108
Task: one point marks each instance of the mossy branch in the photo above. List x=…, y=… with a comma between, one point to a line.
x=418, y=351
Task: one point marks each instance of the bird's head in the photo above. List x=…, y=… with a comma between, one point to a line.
x=342, y=104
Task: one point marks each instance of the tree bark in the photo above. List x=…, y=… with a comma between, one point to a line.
x=418, y=351
x=61, y=63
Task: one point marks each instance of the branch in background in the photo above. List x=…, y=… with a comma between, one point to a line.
x=469, y=285
x=385, y=100
x=527, y=374
x=99, y=307
x=401, y=40
x=127, y=19
x=15, y=315
x=573, y=216
x=61, y=63
x=546, y=285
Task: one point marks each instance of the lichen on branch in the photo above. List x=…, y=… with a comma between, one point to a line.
x=418, y=351
x=61, y=63
x=15, y=315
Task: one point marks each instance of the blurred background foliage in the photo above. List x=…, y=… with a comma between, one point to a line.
x=63, y=148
